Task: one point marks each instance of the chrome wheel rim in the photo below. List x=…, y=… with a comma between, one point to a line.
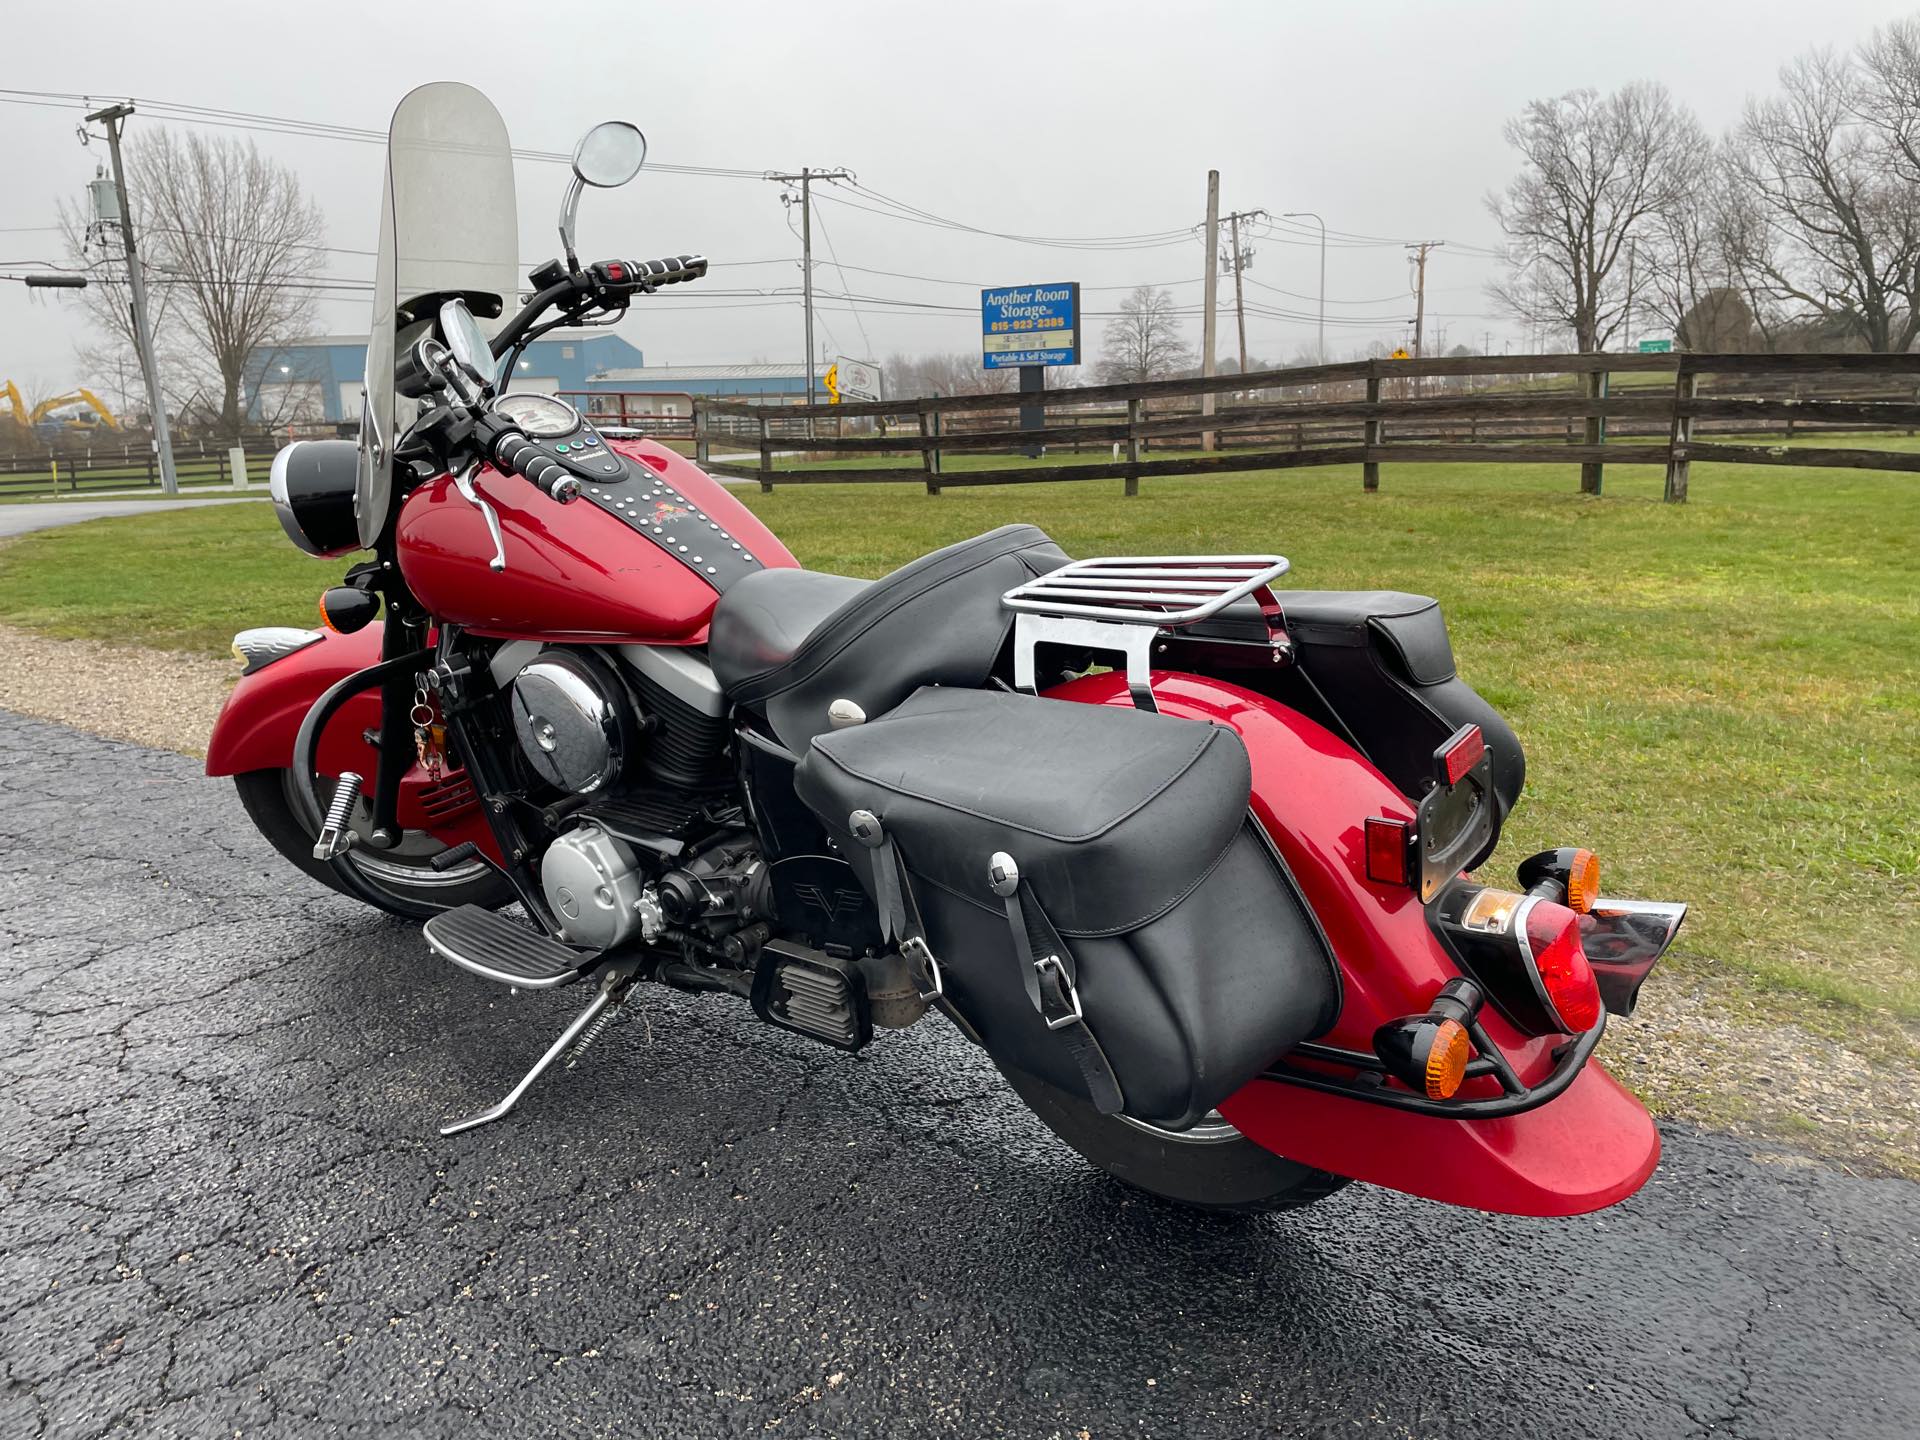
x=1212, y=1129
x=406, y=866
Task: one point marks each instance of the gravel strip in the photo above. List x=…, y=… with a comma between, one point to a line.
x=1711, y=1054
x=151, y=697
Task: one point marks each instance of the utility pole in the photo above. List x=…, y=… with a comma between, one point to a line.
x=1420, y=290
x=112, y=117
x=1420, y=302
x=1212, y=295
x=1239, y=259
x=805, y=180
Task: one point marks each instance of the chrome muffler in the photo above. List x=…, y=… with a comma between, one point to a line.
x=1623, y=940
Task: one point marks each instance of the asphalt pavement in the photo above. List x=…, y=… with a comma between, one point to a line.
x=45, y=515
x=224, y=1210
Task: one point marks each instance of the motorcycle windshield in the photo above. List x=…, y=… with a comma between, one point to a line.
x=448, y=226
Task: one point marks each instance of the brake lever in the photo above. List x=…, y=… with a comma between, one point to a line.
x=463, y=482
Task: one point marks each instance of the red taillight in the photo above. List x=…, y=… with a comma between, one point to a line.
x=1461, y=753
x=1387, y=850
x=1553, y=937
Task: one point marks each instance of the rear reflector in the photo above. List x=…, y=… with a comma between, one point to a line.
x=1387, y=851
x=1461, y=753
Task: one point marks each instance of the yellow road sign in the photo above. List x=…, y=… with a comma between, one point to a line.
x=1400, y=354
x=832, y=381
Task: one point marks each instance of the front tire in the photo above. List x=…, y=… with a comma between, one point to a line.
x=1210, y=1167
x=400, y=881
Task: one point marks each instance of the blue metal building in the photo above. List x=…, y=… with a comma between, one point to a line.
x=317, y=380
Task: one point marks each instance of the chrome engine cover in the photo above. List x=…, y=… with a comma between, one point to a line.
x=568, y=717
x=594, y=885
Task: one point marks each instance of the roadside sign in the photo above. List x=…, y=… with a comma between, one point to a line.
x=1400, y=354
x=832, y=381
x=1030, y=325
x=855, y=379
x=1656, y=347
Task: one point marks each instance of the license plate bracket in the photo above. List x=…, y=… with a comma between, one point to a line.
x=1453, y=823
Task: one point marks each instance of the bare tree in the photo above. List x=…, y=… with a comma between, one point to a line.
x=1840, y=234
x=1676, y=258
x=1594, y=171
x=230, y=244
x=1887, y=96
x=1144, y=342
x=953, y=373
x=109, y=304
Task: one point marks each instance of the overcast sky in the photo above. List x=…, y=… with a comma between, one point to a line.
x=1060, y=120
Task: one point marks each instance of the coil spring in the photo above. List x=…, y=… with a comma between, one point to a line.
x=590, y=1034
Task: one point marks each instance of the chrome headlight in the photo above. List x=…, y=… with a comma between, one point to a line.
x=312, y=483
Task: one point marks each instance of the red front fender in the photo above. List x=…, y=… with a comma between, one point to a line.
x=257, y=726
x=1591, y=1146
x=258, y=723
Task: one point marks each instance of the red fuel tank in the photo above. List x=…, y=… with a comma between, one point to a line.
x=604, y=568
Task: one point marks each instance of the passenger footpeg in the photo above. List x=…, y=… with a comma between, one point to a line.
x=336, y=835
x=615, y=982
x=495, y=948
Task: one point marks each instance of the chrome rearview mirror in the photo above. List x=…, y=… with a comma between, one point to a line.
x=608, y=156
x=467, y=340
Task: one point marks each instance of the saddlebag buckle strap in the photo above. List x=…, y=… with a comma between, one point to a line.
x=899, y=912
x=925, y=968
x=1051, y=983
x=1059, y=997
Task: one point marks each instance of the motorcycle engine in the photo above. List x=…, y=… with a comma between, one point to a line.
x=572, y=718
x=594, y=884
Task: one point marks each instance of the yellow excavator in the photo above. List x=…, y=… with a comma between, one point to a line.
x=30, y=419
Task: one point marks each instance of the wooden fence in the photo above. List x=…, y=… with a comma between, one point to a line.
x=1518, y=409
x=76, y=470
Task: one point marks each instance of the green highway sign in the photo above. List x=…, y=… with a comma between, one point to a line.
x=1655, y=347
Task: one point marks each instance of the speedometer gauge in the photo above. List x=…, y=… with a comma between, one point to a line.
x=540, y=416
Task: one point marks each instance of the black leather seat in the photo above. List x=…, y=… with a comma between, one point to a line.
x=791, y=642
x=767, y=615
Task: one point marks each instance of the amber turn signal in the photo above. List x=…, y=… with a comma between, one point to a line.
x=1570, y=868
x=1583, y=881
x=1447, y=1060
x=1429, y=1053
x=344, y=609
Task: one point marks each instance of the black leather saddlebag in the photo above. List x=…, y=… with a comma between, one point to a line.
x=1152, y=955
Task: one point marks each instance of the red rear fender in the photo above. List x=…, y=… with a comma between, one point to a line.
x=1589, y=1147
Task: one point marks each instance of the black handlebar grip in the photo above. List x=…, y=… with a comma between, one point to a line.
x=652, y=274
x=520, y=455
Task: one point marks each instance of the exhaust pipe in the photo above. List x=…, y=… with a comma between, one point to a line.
x=1623, y=939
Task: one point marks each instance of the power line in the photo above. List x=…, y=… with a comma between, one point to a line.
x=865, y=339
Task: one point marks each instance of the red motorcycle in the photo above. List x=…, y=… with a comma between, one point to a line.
x=1211, y=910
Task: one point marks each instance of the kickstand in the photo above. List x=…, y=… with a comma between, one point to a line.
x=610, y=992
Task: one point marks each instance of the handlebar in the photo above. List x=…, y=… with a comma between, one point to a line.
x=514, y=453
x=575, y=292
x=646, y=275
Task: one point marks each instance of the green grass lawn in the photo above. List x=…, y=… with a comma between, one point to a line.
x=1722, y=698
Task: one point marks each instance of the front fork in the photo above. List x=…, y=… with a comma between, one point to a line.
x=401, y=636
x=396, y=676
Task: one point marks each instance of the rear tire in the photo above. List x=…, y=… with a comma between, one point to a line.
x=1210, y=1167
x=401, y=881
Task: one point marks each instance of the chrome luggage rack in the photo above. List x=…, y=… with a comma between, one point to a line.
x=1121, y=603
